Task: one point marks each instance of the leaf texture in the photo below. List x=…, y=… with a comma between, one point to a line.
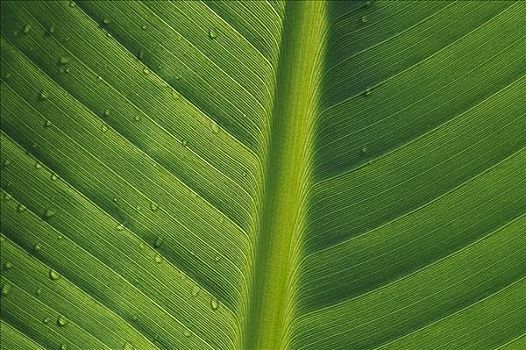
x=263, y=175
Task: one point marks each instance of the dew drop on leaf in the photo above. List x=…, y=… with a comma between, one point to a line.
x=49, y=213
x=137, y=118
x=53, y=275
x=6, y=162
x=187, y=333
x=106, y=113
x=103, y=128
x=213, y=303
x=46, y=320
x=54, y=177
x=62, y=321
x=195, y=290
x=38, y=165
x=106, y=20
x=20, y=208
x=146, y=71
x=47, y=123
x=158, y=241
x=37, y=247
x=42, y=95
x=212, y=33
x=364, y=19
x=184, y=143
x=52, y=29
x=38, y=291
x=154, y=206
x=119, y=227
x=27, y=29
x=364, y=149
x=143, y=27
x=63, y=60
x=214, y=127
x=158, y=258
x=7, y=265
x=127, y=346
x=5, y=289
x=63, y=347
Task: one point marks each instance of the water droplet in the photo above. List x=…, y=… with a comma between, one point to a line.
x=106, y=21
x=27, y=29
x=5, y=289
x=140, y=55
x=63, y=346
x=7, y=265
x=184, y=143
x=71, y=4
x=364, y=19
x=53, y=275
x=46, y=320
x=213, y=303
x=158, y=241
x=158, y=258
x=38, y=165
x=134, y=317
x=49, y=213
x=106, y=113
x=54, y=177
x=212, y=33
x=6, y=162
x=217, y=258
x=214, y=127
x=99, y=78
x=37, y=247
x=42, y=95
x=38, y=291
x=143, y=27
x=119, y=227
x=52, y=29
x=103, y=128
x=137, y=118
x=127, y=346
x=187, y=333
x=20, y=208
x=364, y=149
x=146, y=71
x=195, y=290
x=62, y=321
x=63, y=60
x=47, y=123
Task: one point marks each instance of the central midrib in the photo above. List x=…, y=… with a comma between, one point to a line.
x=287, y=175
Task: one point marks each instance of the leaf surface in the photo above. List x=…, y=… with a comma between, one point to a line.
x=263, y=175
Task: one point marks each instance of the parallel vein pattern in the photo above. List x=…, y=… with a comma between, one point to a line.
x=263, y=175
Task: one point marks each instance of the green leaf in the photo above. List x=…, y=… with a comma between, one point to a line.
x=263, y=175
